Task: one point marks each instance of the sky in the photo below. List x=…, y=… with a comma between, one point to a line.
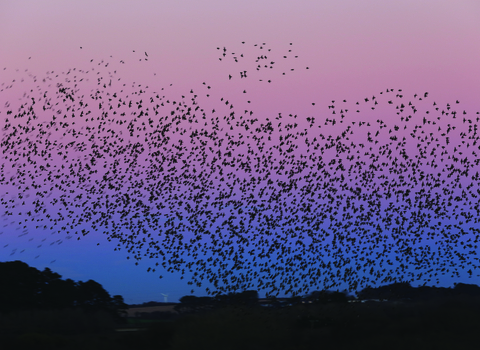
x=388, y=53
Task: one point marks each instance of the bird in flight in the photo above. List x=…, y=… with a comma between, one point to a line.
x=240, y=198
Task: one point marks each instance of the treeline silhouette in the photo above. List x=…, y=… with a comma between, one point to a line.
x=249, y=298
x=39, y=309
x=192, y=303
x=71, y=315
x=24, y=287
x=401, y=291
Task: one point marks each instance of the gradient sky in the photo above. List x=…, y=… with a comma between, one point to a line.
x=354, y=50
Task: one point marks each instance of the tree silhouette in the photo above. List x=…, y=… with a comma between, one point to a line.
x=404, y=291
x=20, y=287
x=23, y=287
x=326, y=296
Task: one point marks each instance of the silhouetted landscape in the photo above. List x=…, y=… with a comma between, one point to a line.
x=40, y=309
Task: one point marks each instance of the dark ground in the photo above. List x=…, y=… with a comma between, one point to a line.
x=440, y=324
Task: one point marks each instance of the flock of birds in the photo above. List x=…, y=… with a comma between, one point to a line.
x=281, y=203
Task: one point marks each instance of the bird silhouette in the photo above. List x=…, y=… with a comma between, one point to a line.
x=277, y=202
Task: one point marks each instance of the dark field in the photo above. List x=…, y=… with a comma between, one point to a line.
x=438, y=324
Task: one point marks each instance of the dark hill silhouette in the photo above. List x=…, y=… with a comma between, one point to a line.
x=24, y=287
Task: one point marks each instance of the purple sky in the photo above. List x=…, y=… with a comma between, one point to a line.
x=353, y=50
